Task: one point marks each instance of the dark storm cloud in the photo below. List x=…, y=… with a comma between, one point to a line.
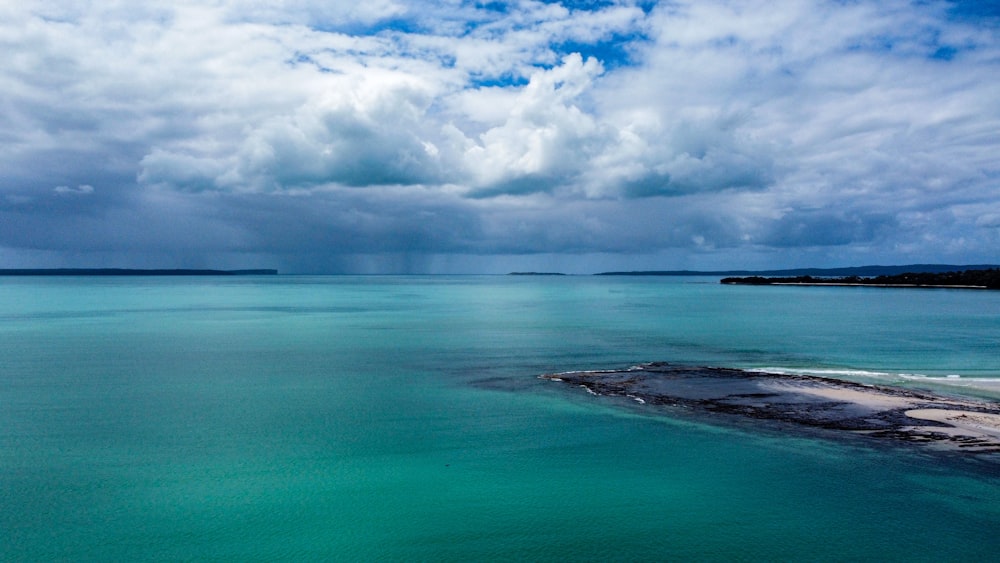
x=827, y=228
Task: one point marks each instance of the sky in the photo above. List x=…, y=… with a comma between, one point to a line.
x=453, y=136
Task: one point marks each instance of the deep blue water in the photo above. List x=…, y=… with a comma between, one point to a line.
x=401, y=418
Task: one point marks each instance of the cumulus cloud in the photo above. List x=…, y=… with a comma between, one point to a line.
x=362, y=132
x=545, y=137
x=821, y=130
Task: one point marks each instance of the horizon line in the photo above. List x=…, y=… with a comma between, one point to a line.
x=873, y=269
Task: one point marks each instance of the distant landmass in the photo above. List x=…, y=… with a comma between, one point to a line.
x=966, y=279
x=130, y=272
x=866, y=271
x=536, y=274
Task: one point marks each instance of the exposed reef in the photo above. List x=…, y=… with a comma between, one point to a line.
x=878, y=412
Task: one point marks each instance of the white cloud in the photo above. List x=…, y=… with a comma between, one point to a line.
x=545, y=139
x=306, y=12
x=362, y=129
x=826, y=125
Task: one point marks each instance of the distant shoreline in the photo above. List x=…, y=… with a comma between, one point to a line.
x=968, y=279
x=131, y=272
x=536, y=274
x=839, y=284
x=821, y=272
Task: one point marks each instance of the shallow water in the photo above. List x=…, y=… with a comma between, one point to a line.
x=401, y=418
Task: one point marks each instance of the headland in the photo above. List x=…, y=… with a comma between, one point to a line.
x=965, y=279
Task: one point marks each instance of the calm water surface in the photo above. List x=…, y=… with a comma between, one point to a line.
x=401, y=418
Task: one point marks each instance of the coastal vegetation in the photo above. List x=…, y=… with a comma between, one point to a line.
x=863, y=271
x=969, y=279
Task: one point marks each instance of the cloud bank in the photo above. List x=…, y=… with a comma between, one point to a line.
x=449, y=135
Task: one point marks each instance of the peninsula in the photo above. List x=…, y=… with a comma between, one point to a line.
x=865, y=271
x=967, y=279
x=830, y=406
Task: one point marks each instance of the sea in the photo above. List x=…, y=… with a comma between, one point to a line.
x=402, y=418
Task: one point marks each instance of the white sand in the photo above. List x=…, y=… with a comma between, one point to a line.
x=872, y=399
x=965, y=429
x=963, y=423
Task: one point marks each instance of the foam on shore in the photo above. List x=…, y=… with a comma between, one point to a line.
x=989, y=386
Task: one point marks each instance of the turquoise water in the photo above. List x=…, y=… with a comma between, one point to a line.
x=401, y=418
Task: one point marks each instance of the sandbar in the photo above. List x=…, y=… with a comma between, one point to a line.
x=953, y=424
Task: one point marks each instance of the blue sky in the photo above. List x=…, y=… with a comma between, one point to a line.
x=453, y=136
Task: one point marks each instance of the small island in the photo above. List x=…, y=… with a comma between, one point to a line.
x=785, y=402
x=967, y=279
x=536, y=274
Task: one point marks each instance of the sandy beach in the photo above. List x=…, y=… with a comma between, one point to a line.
x=968, y=429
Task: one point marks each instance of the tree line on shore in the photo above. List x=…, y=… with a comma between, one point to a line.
x=989, y=279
